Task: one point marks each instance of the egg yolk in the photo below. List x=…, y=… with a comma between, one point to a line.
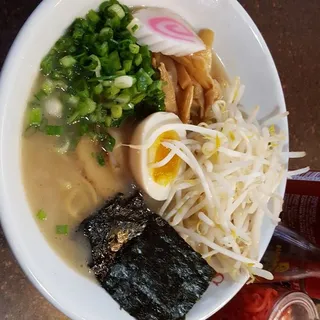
x=157, y=152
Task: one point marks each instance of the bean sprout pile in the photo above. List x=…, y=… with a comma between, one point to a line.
x=233, y=166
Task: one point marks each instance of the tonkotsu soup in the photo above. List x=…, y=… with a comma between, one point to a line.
x=95, y=85
x=63, y=188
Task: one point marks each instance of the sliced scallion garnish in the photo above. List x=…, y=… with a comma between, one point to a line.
x=35, y=117
x=41, y=215
x=123, y=82
x=48, y=86
x=100, y=74
x=100, y=159
x=117, y=9
x=62, y=229
x=68, y=61
x=54, y=130
x=138, y=59
x=134, y=48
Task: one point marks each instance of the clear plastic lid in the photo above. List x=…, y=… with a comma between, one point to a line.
x=294, y=306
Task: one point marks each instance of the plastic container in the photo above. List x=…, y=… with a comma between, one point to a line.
x=294, y=306
x=268, y=302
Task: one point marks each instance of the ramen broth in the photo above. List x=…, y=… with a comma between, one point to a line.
x=71, y=186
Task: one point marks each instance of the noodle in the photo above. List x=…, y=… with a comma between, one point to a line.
x=84, y=191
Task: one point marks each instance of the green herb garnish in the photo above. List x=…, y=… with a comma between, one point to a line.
x=62, y=229
x=41, y=215
x=101, y=75
x=54, y=130
x=35, y=117
x=100, y=159
x=108, y=143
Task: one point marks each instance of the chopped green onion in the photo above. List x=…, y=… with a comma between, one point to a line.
x=116, y=112
x=34, y=103
x=82, y=89
x=123, y=98
x=121, y=73
x=98, y=68
x=114, y=60
x=87, y=106
x=104, y=5
x=114, y=23
x=142, y=75
x=61, y=85
x=93, y=117
x=92, y=63
x=138, y=98
x=131, y=91
x=111, y=92
x=93, y=16
x=48, y=86
x=68, y=61
x=73, y=100
x=40, y=95
x=108, y=143
x=129, y=106
x=123, y=82
x=144, y=50
x=127, y=65
x=134, y=48
x=62, y=229
x=79, y=29
x=101, y=75
x=138, y=59
x=54, y=130
x=108, y=121
x=156, y=85
x=124, y=45
x=98, y=88
x=41, y=215
x=100, y=159
x=35, y=117
x=133, y=26
x=43, y=124
x=109, y=105
x=143, y=80
x=106, y=33
x=117, y=9
x=47, y=65
x=84, y=128
x=107, y=83
x=102, y=49
x=73, y=117
x=148, y=69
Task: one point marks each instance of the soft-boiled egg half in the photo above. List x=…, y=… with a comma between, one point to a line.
x=155, y=181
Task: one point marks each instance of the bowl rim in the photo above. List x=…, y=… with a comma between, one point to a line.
x=14, y=51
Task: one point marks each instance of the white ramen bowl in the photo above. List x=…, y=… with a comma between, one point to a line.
x=243, y=52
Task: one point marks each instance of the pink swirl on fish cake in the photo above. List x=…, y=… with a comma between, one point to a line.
x=171, y=28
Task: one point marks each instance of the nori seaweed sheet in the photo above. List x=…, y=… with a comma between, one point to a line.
x=142, y=262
